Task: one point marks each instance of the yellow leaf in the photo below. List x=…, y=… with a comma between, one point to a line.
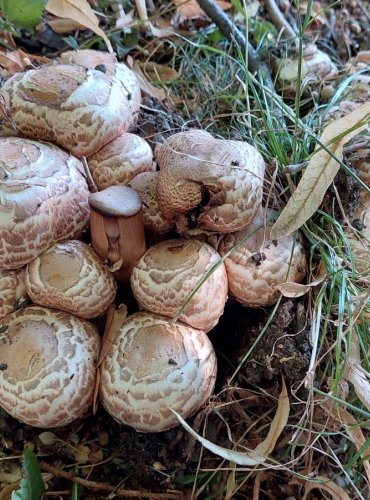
x=259, y=454
x=320, y=172
x=79, y=11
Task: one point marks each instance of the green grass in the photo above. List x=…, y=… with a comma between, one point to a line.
x=220, y=95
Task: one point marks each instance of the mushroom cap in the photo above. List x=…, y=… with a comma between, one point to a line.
x=154, y=366
x=209, y=183
x=120, y=160
x=12, y=290
x=44, y=199
x=48, y=366
x=154, y=220
x=314, y=67
x=71, y=277
x=258, y=265
x=77, y=108
x=170, y=270
x=91, y=58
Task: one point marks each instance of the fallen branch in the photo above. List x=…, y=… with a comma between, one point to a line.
x=232, y=33
x=278, y=19
x=95, y=486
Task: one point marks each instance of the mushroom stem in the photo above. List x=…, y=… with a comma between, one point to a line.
x=117, y=229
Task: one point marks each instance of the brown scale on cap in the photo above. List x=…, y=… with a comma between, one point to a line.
x=169, y=271
x=71, y=277
x=154, y=220
x=208, y=183
x=12, y=290
x=44, y=199
x=154, y=366
x=77, y=108
x=120, y=160
x=258, y=265
x=48, y=366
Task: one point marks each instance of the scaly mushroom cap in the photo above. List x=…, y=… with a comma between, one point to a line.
x=43, y=199
x=120, y=160
x=209, y=183
x=71, y=277
x=77, y=108
x=154, y=366
x=154, y=220
x=316, y=65
x=258, y=265
x=108, y=63
x=361, y=245
x=166, y=274
x=12, y=290
x=47, y=366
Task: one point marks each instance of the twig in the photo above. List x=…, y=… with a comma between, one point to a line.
x=278, y=19
x=352, y=148
x=121, y=492
x=232, y=33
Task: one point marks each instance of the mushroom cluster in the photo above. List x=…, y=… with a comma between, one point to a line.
x=68, y=129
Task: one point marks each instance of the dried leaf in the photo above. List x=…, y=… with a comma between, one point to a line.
x=159, y=72
x=144, y=83
x=79, y=11
x=260, y=453
x=17, y=60
x=354, y=372
x=189, y=10
x=320, y=172
x=334, y=489
x=60, y=25
x=293, y=290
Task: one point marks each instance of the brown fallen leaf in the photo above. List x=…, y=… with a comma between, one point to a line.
x=189, y=10
x=17, y=60
x=293, y=290
x=320, y=172
x=79, y=11
x=259, y=454
x=61, y=25
x=321, y=483
x=159, y=72
x=144, y=83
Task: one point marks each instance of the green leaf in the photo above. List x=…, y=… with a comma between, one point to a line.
x=22, y=13
x=32, y=486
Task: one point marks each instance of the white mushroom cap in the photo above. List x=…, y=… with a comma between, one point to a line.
x=71, y=277
x=209, y=183
x=258, y=265
x=315, y=66
x=154, y=366
x=77, y=108
x=120, y=160
x=154, y=220
x=170, y=270
x=44, y=199
x=12, y=290
x=92, y=58
x=47, y=366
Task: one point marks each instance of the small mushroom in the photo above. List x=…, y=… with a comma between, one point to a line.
x=107, y=63
x=170, y=270
x=154, y=220
x=71, y=277
x=315, y=67
x=258, y=265
x=120, y=160
x=44, y=199
x=154, y=366
x=74, y=107
x=47, y=366
x=12, y=290
x=208, y=183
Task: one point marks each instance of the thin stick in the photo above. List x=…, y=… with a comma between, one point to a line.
x=278, y=19
x=121, y=492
